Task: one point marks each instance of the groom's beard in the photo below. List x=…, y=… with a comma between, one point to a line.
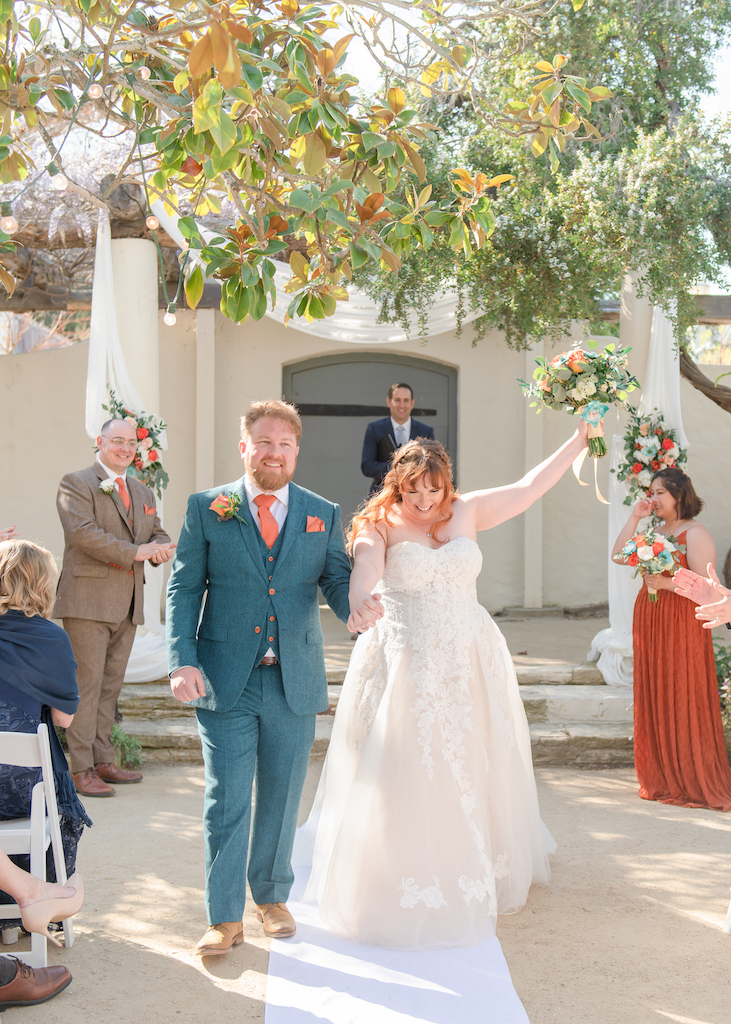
x=267, y=478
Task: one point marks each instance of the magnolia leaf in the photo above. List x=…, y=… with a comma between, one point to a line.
x=194, y=288
x=396, y=99
x=299, y=265
x=539, y=143
x=577, y=4
x=223, y=130
x=499, y=180
x=7, y=280
x=315, y=155
x=200, y=58
x=579, y=95
x=543, y=65
x=460, y=55
x=598, y=92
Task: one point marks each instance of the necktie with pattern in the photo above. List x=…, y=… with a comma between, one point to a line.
x=123, y=492
x=269, y=528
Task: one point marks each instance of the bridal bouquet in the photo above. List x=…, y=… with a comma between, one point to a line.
x=651, y=553
x=583, y=382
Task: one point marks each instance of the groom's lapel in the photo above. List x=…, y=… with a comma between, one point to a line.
x=248, y=528
x=295, y=523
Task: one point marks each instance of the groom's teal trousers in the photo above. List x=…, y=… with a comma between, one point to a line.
x=259, y=740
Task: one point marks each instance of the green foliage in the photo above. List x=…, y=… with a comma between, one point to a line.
x=129, y=748
x=722, y=654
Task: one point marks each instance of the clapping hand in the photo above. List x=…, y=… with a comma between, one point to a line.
x=716, y=607
x=368, y=612
x=7, y=533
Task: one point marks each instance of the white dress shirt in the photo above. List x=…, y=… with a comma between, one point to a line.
x=397, y=427
x=112, y=475
x=278, y=510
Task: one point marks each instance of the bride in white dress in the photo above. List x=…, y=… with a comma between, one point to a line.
x=426, y=823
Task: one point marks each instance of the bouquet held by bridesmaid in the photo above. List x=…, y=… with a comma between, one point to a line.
x=651, y=553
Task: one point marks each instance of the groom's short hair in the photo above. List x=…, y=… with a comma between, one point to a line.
x=274, y=409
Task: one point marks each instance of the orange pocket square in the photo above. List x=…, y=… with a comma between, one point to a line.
x=315, y=525
x=150, y=511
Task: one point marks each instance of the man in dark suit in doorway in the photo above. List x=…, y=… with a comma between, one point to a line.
x=383, y=437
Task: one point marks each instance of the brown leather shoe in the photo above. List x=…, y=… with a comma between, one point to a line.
x=88, y=783
x=111, y=772
x=220, y=938
x=277, y=920
x=30, y=987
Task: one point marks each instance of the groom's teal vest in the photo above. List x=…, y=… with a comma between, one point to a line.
x=222, y=567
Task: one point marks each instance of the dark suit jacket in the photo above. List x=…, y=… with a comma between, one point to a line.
x=100, y=577
x=369, y=464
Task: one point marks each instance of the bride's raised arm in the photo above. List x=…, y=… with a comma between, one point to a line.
x=369, y=552
x=490, y=508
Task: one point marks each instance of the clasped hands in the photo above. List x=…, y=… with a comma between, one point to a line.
x=708, y=593
x=365, y=611
x=155, y=553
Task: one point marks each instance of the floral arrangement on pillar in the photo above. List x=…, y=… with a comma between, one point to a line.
x=147, y=466
x=648, y=446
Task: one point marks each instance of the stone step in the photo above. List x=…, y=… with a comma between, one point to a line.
x=579, y=745
x=588, y=704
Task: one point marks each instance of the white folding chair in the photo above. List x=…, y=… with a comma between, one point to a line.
x=34, y=834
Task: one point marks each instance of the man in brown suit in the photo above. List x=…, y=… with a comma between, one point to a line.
x=111, y=528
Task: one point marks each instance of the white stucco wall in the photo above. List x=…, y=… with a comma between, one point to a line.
x=42, y=431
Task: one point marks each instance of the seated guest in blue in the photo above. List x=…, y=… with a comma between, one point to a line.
x=383, y=437
x=37, y=684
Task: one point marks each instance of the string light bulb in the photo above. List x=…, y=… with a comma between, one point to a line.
x=145, y=73
x=170, y=318
x=59, y=182
x=8, y=223
x=152, y=222
x=95, y=91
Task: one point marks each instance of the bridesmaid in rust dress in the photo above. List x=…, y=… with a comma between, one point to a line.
x=680, y=751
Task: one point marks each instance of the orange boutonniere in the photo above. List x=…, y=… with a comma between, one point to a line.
x=226, y=506
x=315, y=525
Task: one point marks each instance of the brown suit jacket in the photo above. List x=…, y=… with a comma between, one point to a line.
x=100, y=577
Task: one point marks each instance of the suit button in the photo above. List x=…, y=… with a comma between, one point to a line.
x=131, y=572
x=271, y=618
x=271, y=591
x=271, y=559
x=270, y=577
x=257, y=629
x=271, y=639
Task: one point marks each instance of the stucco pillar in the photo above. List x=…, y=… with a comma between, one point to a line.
x=134, y=264
x=533, y=517
x=635, y=325
x=205, y=397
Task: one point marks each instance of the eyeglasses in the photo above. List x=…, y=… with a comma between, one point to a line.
x=119, y=442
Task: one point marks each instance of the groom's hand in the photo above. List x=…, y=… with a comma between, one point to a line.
x=187, y=684
x=366, y=615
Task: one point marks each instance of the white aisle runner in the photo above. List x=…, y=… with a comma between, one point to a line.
x=318, y=976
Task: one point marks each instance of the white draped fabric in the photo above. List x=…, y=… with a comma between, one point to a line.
x=660, y=390
x=354, y=321
x=107, y=369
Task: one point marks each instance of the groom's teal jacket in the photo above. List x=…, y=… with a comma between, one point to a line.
x=223, y=562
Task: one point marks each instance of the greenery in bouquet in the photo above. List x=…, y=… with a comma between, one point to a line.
x=649, y=553
x=147, y=466
x=648, y=447
x=583, y=382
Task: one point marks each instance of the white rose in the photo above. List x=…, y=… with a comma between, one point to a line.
x=644, y=479
x=590, y=388
x=645, y=553
x=668, y=544
x=148, y=442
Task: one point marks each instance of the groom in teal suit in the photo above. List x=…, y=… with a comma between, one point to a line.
x=245, y=646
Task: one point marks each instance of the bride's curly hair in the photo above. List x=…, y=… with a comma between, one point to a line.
x=411, y=462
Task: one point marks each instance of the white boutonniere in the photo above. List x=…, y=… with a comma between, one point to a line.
x=107, y=486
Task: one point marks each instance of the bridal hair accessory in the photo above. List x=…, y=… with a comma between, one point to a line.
x=586, y=383
x=651, y=553
x=226, y=506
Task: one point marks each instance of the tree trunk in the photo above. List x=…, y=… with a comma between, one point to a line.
x=717, y=393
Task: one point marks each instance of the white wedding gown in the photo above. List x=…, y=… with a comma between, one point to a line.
x=426, y=824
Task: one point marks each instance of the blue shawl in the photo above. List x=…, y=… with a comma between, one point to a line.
x=37, y=659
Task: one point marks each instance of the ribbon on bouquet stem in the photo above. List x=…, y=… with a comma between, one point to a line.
x=593, y=413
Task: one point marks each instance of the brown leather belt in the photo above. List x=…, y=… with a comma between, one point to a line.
x=268, y=661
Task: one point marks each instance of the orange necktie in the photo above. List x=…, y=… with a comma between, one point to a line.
x=269, y=528
x=123, y=492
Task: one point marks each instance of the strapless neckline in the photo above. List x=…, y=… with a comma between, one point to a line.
x=426, y=547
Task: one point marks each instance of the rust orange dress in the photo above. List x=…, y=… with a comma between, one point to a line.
x=680, y=752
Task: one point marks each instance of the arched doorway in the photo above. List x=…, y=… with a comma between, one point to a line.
x=339, y=395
